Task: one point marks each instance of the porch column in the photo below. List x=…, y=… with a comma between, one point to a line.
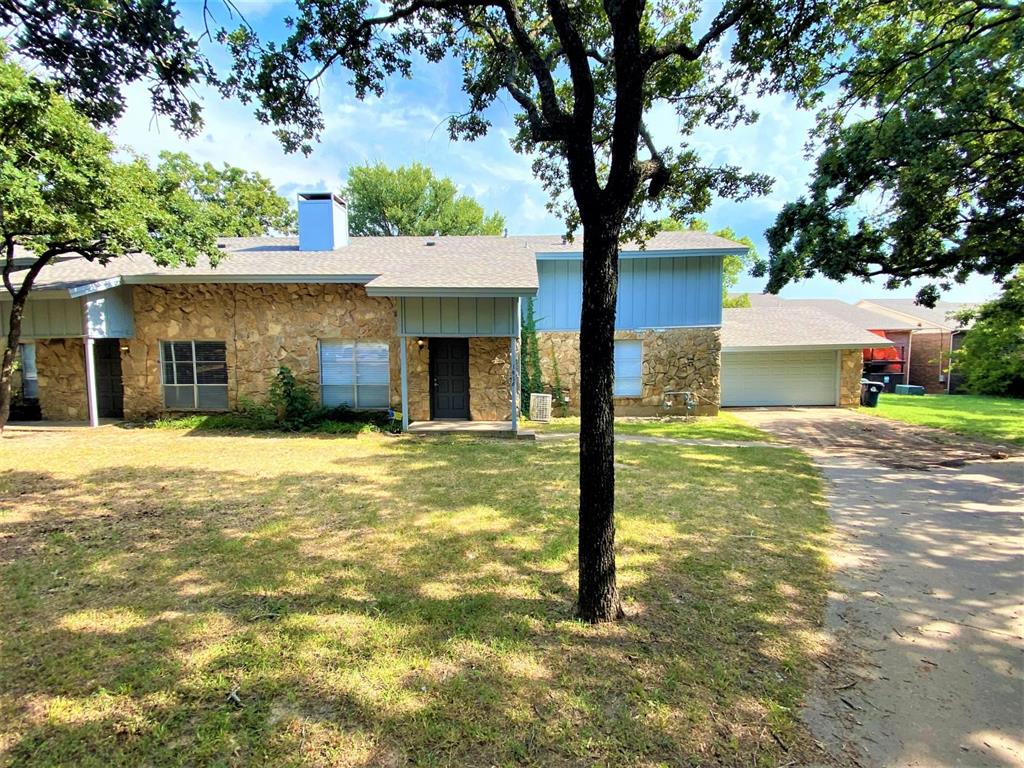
x=402, y=354
x=513, y=371
x=90, y=382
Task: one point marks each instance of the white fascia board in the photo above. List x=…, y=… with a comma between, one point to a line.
x=272, y=279
x=652, y=254
x=99, y=285
x=807, y=347
x=478, y=293
x=40, y=294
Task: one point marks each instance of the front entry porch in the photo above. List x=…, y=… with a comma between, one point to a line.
x=458, y=364
x=504, y=429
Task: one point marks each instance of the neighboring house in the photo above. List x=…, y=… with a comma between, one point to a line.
x=427, y=326
x=889, y=365
x=937, y=334
x=781, y=354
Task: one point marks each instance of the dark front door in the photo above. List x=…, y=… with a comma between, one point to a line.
x=449, y=378
x=109, y=389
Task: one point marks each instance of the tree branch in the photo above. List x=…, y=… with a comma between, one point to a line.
x=540, y=130
x=718, y=28
x=9, y=264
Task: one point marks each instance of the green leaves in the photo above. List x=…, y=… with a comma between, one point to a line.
x=928, y=184
x=95, y=48
x=411, y=200
x=991, y=358
x=240, y=203
x=62, y=191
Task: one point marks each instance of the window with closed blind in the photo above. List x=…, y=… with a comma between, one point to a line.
x=628, y=368
x=354, y=374
x=195, y=375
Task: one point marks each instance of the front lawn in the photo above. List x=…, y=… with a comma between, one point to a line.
x=181, y=598
x=995, y=418
x=724, y=426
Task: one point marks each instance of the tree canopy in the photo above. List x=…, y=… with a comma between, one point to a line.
x=991, y=356
x=62, y=191
x=240, y=203
x=92, y=49
x=411, y=200
x=927, y=185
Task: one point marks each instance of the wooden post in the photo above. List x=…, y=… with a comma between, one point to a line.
x=513, y=371
x=402, y=354
x=90, y=382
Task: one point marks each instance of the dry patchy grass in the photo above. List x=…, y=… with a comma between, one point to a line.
x=387, y=601
x=724, y=426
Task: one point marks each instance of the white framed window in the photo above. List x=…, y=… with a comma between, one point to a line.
x=29, y=372
x=194, y=375
x=355, y=374
x=628, y=368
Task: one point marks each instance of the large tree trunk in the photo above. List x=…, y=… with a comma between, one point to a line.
x=598, y=593
x=10, y=351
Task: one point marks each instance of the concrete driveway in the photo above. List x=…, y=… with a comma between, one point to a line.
x=927, y=618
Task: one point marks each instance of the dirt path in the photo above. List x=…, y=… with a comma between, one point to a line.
x=927, y=618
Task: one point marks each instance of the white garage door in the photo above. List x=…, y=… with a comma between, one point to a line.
x=779, y=378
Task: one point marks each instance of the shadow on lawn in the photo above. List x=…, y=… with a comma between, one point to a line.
x=423, y=617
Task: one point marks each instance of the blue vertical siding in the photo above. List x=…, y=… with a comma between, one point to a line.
x=108, y=314
x=46, y=318
x=663, y=292
x=455, y=316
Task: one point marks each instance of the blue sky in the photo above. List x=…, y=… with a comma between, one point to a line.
x=408, y=124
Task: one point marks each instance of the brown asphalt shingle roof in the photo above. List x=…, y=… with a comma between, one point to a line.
x=937, y=317
x=859, y=316
x=788, y=327
x=384, y=264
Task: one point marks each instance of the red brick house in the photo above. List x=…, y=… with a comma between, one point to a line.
x=937, y=335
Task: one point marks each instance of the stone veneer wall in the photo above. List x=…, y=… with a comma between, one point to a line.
x=676, y=359
x=61, y=365
x=266, y=326
x=489, y=370
x=851, y=369
x=418, y=360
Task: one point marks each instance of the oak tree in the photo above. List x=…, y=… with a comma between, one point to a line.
x=582, y=78
x=923, y=152
x=412, y=200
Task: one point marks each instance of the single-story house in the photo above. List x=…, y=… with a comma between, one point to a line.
x=428, y=326
x=888, y=365
x=937, y=335
x=787, y=354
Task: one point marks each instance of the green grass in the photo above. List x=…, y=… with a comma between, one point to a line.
x=725, y=426
x=993, y=418
x=383, y=601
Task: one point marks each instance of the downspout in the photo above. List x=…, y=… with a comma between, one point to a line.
x=910, y=349
x=949, y=365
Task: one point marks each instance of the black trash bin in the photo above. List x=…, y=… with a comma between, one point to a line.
x=869, y=392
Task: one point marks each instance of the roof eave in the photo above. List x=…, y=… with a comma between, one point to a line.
x=442, y=292
x=248, y=278
x=807, y=347
x=661, y=253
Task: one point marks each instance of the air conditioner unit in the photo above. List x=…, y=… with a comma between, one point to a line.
x=540, y=407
